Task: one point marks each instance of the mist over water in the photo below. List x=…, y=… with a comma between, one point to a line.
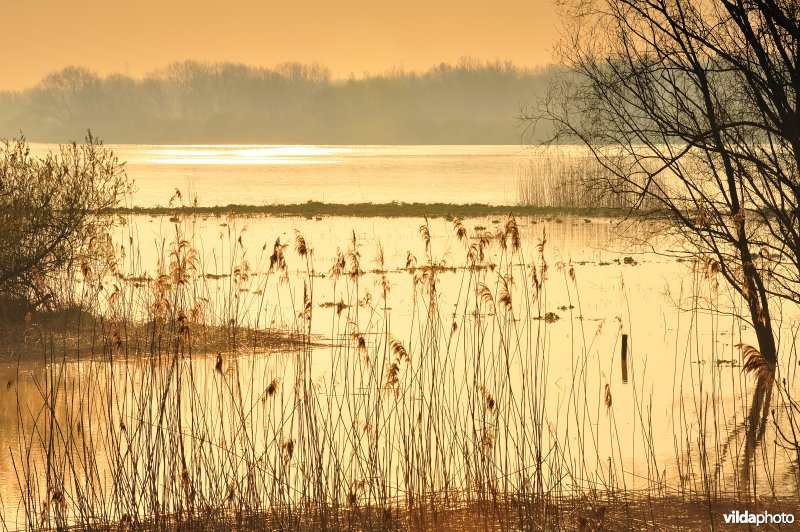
x=194, y=102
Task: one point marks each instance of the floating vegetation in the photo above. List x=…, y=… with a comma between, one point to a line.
x=549, y=317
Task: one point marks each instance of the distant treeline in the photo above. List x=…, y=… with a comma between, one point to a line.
x=196, y=102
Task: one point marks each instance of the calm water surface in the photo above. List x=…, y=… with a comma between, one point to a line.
x=221, y=175
x=679, y=355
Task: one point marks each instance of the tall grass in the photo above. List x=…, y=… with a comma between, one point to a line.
x=573, y=179
x=208, y=403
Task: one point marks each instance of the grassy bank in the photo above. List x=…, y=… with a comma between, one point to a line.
x=383, y=210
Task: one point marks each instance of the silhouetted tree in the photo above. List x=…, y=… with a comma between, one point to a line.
x=67, y=97
x=49, y=215
x=194, y=101
x=695, y=106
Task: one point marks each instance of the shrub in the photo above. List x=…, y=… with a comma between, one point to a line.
x=50, y=221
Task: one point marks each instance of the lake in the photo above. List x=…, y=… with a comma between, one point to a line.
x=225, y=174
x=510, y=375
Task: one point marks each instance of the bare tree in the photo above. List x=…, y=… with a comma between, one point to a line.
x=50, y=214
x=694, y=104
x=67, y=96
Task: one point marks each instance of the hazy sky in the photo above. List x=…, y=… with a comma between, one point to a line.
x=40, y=36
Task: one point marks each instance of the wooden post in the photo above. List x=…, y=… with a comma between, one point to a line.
x=624, y=357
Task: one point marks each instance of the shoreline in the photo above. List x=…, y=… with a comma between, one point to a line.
x=605, y=510
x=313, y=209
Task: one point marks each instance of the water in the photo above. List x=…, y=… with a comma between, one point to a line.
x=222, y=175
x=680, y=355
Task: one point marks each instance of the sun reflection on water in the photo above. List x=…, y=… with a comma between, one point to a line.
x=244, y=155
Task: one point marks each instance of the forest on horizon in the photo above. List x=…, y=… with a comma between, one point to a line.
x=470, y=102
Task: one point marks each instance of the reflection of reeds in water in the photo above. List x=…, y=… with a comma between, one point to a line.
x=454, y=422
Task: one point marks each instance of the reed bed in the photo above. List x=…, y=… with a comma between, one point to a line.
x=576, y=180
x=184, y=404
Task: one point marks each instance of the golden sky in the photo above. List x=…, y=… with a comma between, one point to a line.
x=349, y=36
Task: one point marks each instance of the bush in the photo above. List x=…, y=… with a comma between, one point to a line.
x=50, y=215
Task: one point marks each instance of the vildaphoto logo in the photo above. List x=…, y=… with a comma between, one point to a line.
x=763, y=518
